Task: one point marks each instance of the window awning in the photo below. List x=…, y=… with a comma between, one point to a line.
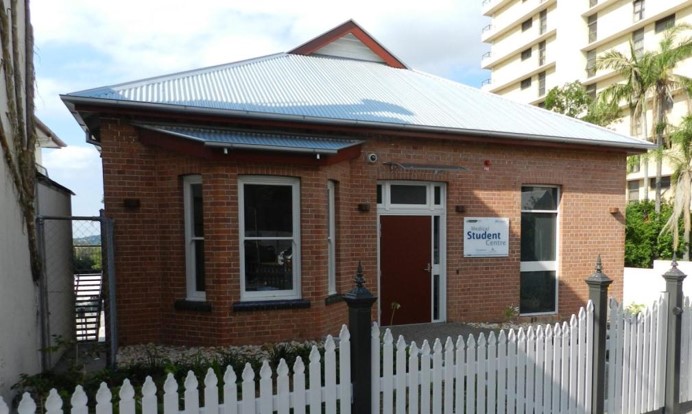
x=258, y=141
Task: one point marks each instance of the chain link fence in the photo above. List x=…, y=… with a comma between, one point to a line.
x=72, y=293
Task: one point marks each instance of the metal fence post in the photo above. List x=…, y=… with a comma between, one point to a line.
x=674, y=278
x=360, y=301
x=598, y=294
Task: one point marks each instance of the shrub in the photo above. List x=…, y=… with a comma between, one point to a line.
x=643, y=241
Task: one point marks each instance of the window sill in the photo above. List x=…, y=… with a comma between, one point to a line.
x=270, y=305
x=332, y=299
x=192, y=305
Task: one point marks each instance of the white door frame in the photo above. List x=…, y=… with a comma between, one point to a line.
x=432, y=209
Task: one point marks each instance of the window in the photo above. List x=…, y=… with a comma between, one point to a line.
x=632, y=191
x=590, y=63
x=526, y=54
x=538, y=281
x=638, y=42
x=591, y=90
x=541, y=84
x=665, y=182
x=541, y=53
x=543, y=21
x=526, y=25
x=331, y=238
x=636, y=126
x=664, y=23
x=194, y=237
x=633, y=164
x=593, y=27
x=526, y=83
x=269, y=220
x=638, y=10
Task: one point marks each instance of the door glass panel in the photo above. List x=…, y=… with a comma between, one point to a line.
x=436, y=297
x=436, y=240
x=537, y=292
x=408, y=194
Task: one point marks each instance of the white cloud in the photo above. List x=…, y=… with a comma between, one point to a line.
x=153, y=37
x=73, y=161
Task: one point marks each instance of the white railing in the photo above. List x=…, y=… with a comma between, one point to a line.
x=269, y=399
x=544, y=369
x=636, y=349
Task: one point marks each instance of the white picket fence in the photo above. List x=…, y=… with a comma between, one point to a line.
x=280, y=399
x=544, y=369
x=636, y=348
x=540, y=370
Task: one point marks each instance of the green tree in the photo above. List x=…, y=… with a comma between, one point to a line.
x=681, y=160
x=644, y=241
x=636, y=71
x=672, y=51
x=573, y=100
x=650, y=76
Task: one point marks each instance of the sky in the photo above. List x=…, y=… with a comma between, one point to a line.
x=84, y=44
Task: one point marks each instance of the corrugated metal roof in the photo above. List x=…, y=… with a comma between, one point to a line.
x=323, y=89
x=256, y=140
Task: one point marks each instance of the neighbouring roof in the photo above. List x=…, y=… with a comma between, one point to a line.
x=259, y=141
x=345, y=77
x=46, y=137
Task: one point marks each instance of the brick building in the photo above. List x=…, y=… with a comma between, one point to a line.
x=245, y=195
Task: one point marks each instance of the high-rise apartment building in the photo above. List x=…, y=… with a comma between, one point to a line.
x=536, y=45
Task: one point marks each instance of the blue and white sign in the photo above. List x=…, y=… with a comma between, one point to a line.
x=486, y=237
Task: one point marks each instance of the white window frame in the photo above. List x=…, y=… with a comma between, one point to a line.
x=294, y=183
x=190, y=240
x=546, y=265
x=331, y=237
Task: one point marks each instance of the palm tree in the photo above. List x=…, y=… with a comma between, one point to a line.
x=671, y=52
x=650, y=76
x=681, y=160
x=636, y=90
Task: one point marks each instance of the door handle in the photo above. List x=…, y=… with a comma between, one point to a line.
x=428, y=268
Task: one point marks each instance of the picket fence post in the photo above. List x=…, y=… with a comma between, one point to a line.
x=674, y=278
x=360, y=301
x=598, y=294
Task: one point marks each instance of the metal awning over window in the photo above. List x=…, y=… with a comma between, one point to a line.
x=258, y=141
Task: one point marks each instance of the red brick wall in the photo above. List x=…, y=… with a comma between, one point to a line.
x=150, y=253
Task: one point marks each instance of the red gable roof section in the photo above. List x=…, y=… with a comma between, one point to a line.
x=349, y=27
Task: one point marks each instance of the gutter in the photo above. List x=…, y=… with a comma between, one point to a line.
x=70, y=99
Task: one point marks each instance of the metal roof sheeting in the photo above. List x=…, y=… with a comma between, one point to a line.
x=256, y=140
x=325, y=89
